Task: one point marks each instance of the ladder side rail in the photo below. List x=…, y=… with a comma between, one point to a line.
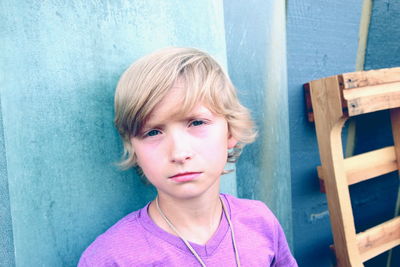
x=329, y=119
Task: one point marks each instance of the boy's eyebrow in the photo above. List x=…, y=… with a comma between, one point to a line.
x=153, y=122
x=150, y=125
x=196, y=114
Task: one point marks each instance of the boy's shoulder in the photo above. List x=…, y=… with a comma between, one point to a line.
x=248, y=207
x=256, y=226
x=253, y=215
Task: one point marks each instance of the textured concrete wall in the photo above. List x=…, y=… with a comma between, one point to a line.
x=256, y=48
x=60, y=61
x=322, y=41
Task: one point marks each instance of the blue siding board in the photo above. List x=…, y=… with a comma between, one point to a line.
x=6, y=234
x=383, y=46
x=256, y=50
x=322, y=41
x=377, y=198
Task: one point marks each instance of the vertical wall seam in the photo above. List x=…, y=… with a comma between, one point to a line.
x=290, y=208
x=363, y=33
x=229, y=181
x=365, y=20
x=276, y=180
x=7, y=257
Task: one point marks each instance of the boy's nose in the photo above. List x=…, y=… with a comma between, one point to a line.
x=181, y=157
x=180, y=148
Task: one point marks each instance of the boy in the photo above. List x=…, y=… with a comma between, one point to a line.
x=180, y=121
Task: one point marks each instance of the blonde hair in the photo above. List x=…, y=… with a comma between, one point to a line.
x=148, y=80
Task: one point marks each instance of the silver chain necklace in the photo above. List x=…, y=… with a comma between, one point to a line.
x=187, y=243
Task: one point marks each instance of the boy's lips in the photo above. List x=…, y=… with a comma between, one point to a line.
x=185, y=176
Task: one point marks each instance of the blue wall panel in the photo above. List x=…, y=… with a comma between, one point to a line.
x=6, y=236
x=383, y=51
x=256, y=48
x=322, y=41
x=60, y=64
x=383, y=46
x=60, y=61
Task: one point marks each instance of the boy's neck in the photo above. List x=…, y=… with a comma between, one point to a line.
x=196, y=219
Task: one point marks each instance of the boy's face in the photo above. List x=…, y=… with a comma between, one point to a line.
x=183, y=156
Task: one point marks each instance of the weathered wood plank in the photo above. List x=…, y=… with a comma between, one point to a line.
x=329, y=119
x=371, y=164
x=330, y=101
x=379, y=239
x=367, y=165
x=369, y=78
x=372, y=98
x=395, y=120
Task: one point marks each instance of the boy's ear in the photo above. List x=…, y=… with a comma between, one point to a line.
x=231, y=141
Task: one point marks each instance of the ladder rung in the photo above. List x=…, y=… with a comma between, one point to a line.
x=372, y=98
x=368, y=165
x=371, y=77
x=330, y=102
x=371, y=164
x=379, y=239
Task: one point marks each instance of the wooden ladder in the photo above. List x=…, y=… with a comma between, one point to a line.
x=330, y=102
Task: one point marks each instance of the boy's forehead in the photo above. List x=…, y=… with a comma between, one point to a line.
x=165, y=114
x=171, y=104
x=177, y=105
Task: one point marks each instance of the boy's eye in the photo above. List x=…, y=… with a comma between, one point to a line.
x=152, y=133
x=197, y=123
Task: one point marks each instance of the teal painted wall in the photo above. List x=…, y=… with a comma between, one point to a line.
x=60, y=61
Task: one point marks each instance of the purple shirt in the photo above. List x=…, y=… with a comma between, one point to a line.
x=137, y=241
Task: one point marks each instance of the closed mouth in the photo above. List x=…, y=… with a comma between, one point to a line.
x=184, y=177
x=184, y=174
